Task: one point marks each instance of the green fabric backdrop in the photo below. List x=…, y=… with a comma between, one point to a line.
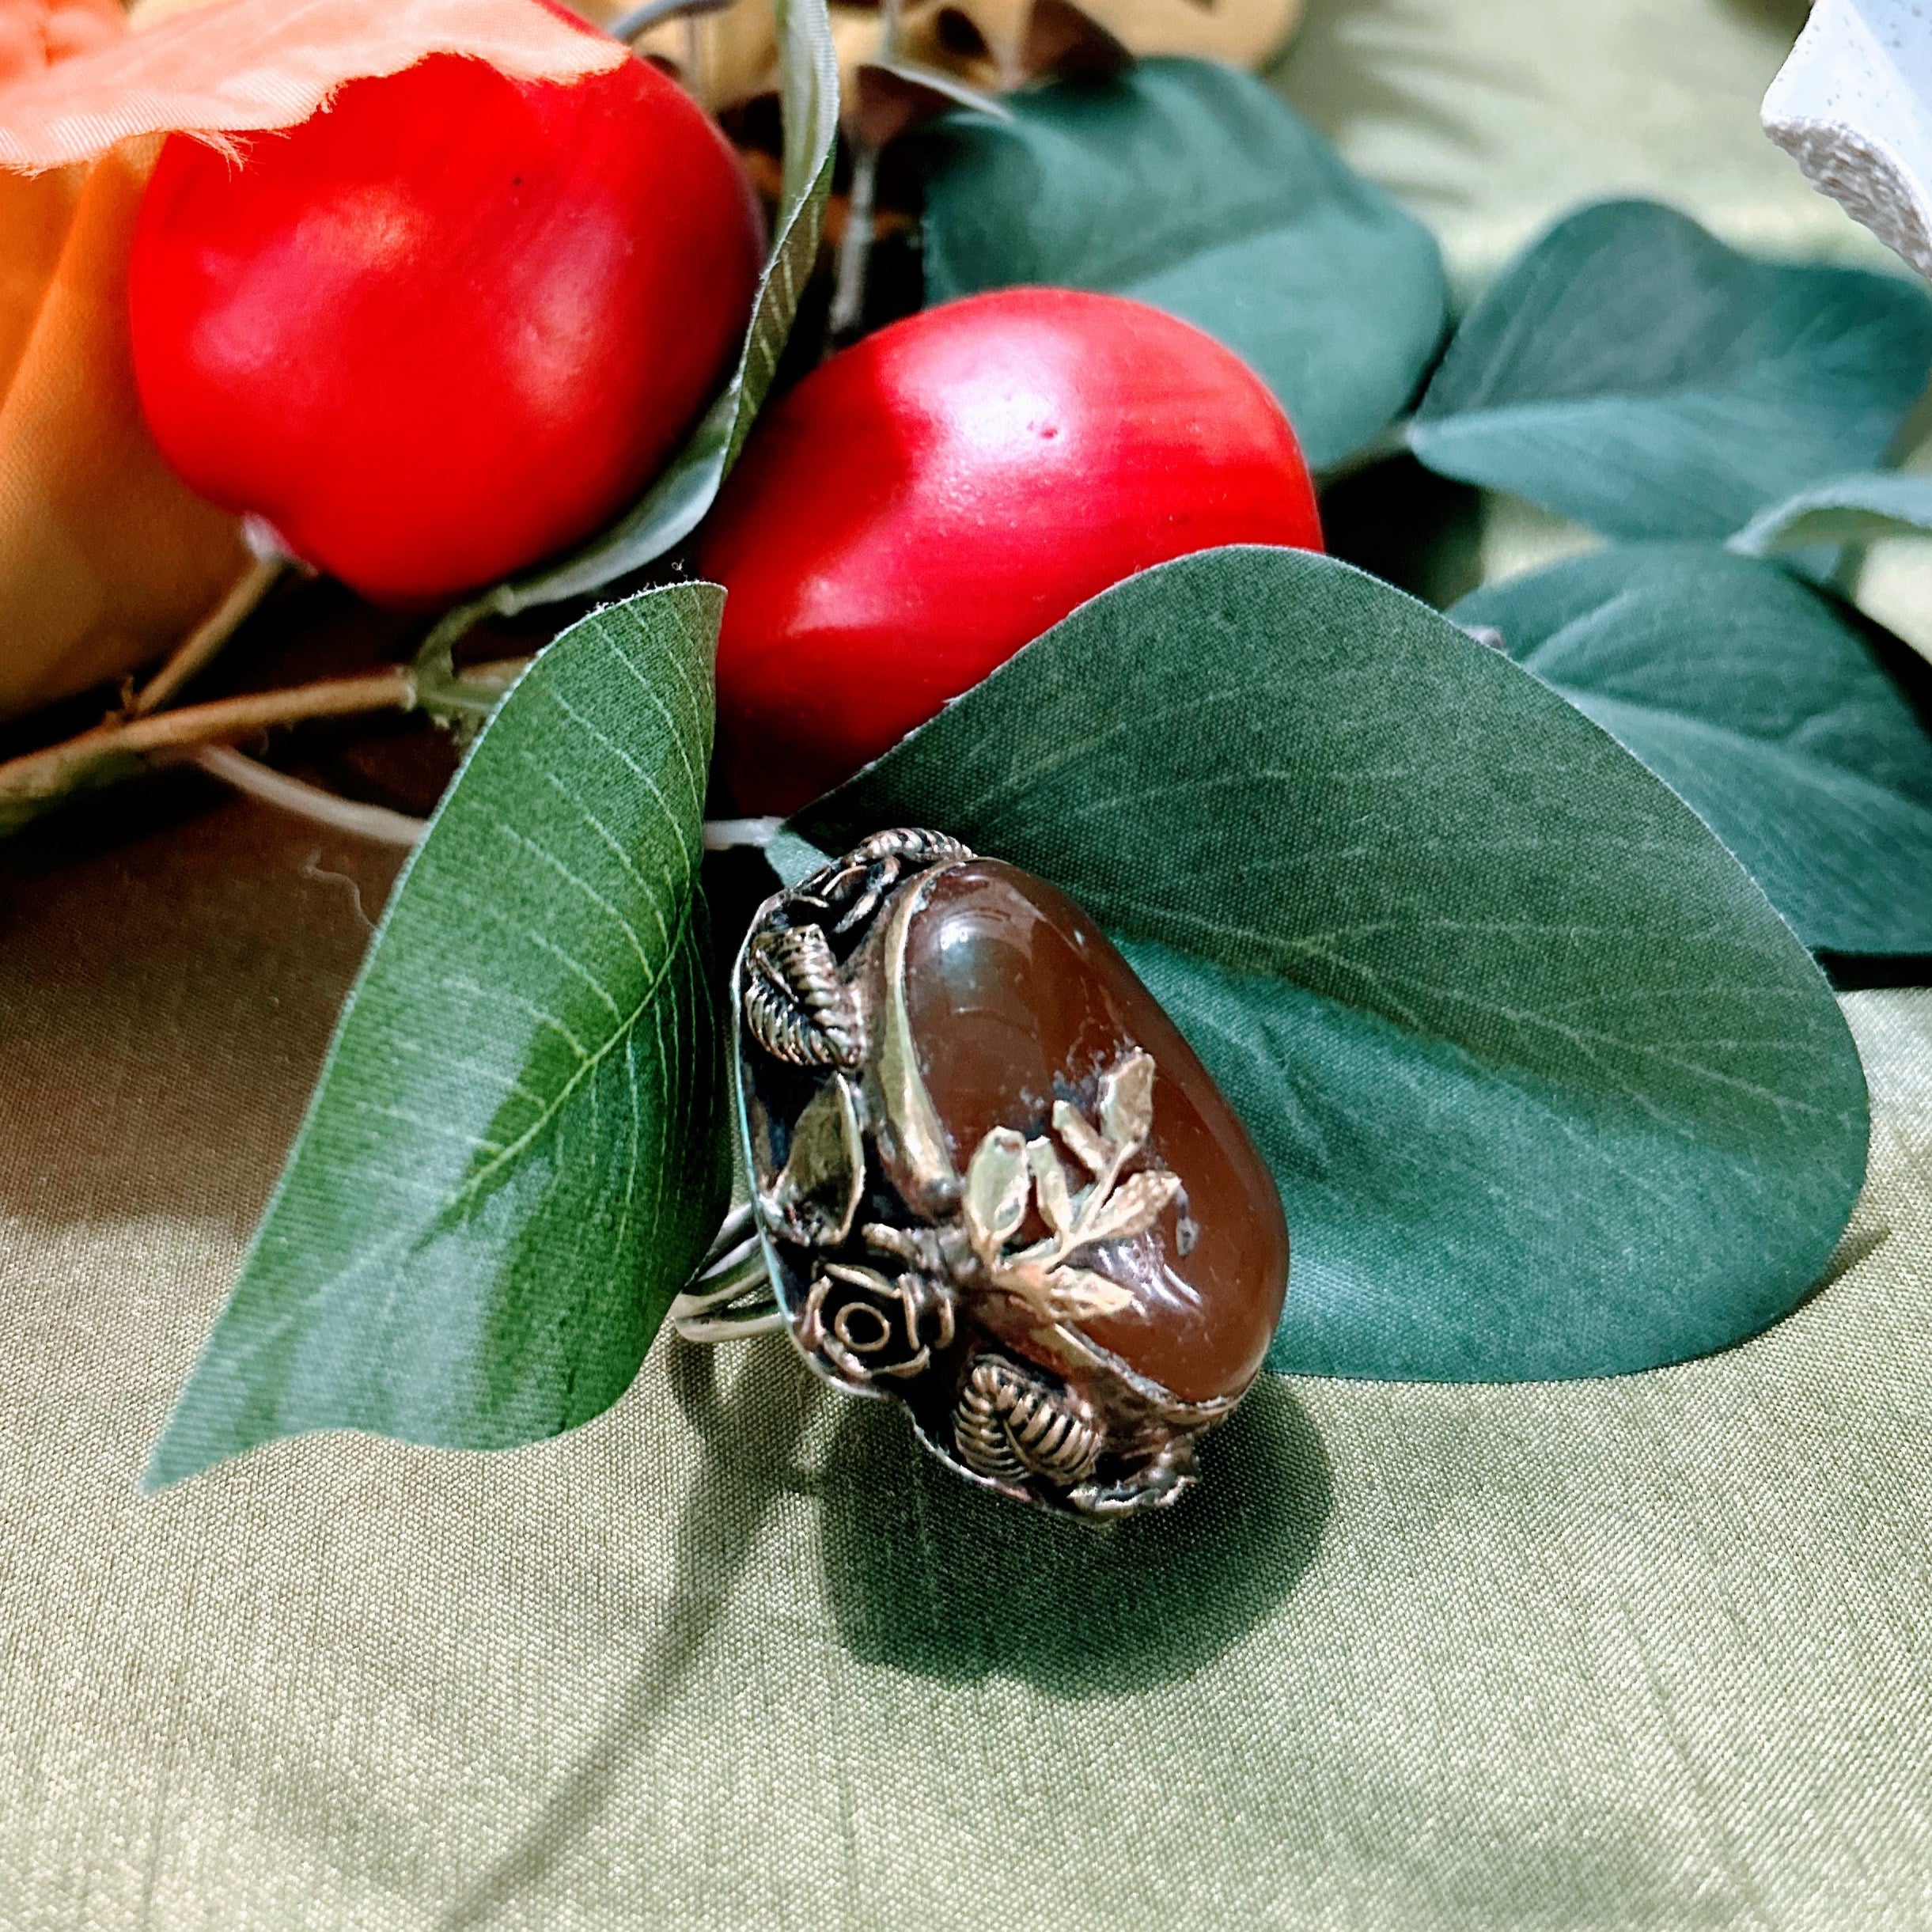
x=1655, y=1652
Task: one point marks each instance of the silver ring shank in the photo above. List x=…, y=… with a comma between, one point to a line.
x=730, y=1298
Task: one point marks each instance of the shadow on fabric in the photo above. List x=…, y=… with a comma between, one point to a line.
x=751, y=1436
x=927, y=1574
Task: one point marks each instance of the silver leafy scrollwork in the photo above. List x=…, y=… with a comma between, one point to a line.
x=874, y=867
x=1008, y=1173
x=797, y=1006
x=816, y=1197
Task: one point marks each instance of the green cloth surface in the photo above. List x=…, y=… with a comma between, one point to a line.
x=1651, y=1651
x=1645, y=1652
x=1491, y=118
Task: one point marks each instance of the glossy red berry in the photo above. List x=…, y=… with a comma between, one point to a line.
x=932, y=499
x=448, y=326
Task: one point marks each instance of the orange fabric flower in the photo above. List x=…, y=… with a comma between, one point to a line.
x=106, y=561
x=235, y=65
x=35, y=33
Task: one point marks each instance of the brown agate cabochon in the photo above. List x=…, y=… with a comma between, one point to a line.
x=1016, y=999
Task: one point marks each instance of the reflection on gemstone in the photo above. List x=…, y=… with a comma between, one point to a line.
x=1017, y=1000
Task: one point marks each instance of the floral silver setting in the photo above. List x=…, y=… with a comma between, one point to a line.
x=965, y=1296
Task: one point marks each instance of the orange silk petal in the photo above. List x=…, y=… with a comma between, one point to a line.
x=235, y=65
x=35, y=33
x=106, y=561
x=34, y=217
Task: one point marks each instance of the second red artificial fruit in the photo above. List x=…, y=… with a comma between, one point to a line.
x=934, y=498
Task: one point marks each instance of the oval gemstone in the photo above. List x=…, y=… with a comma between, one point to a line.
x=1017, y=1000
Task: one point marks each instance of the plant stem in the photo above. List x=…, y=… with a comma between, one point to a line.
x=199, y=649
x=459, y=701
x=848, y=291
x=627, y=27
x=694, y=82
x=58, y=768
x=302, y=800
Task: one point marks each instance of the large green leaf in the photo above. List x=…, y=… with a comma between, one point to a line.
x=514, y=1156
x=1548, y=1087
x=1859, y=508
x=675, y=503
x=1194, y=187
x=1766, y=704
x=1632, y=372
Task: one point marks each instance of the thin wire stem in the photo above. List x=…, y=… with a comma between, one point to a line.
x=848, y=293
x=203, y=644
x=726, y=835
x=301, y=800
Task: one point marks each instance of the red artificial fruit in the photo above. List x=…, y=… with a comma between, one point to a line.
x=449, y=325
x=934, y=498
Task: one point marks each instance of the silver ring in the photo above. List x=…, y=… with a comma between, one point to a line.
x=990, y=1181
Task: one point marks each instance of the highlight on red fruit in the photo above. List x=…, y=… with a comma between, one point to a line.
x=933, y=499
x=451, y=325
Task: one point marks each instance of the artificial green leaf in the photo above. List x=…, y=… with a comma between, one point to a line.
x=1860, y=508
x=894, y=95
x=672, y=509
x=1195, y=188
x=1768, y=706
x=1548, y=1087
x=1631, y=372
x=791, y=858
x=515, y=1155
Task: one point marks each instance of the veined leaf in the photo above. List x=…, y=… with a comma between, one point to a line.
x=1860, y=508
x=1548, y=1087
x=514, y=1157
x=1631, y=372
x=1766, y=704
x=672, y=509
x=1195, y=188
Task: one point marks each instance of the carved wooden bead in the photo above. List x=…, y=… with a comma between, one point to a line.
x=994, y=1181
